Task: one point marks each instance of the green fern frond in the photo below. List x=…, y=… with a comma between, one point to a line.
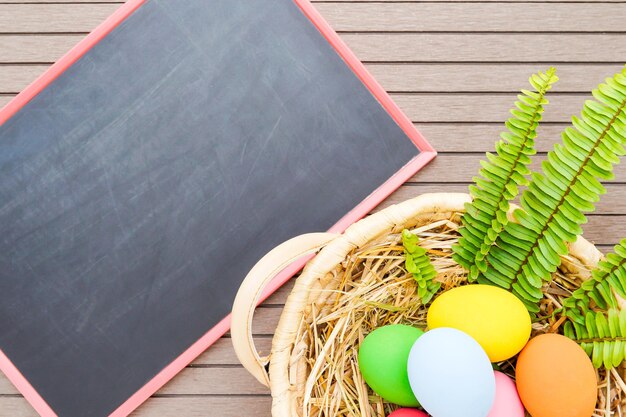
x=603, y=337
x=501, y=176
x=418, y=264
x=528, y=252
x=607, y=281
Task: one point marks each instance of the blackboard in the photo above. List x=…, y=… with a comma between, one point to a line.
x=139, y=187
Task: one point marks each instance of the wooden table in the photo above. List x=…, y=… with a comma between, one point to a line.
x=454, y=68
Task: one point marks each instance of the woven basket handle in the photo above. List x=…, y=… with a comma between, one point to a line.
x=252, y=288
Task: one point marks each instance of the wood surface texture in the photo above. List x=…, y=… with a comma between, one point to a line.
x=453, y=66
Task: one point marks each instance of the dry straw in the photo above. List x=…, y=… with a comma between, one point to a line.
x=358, y=283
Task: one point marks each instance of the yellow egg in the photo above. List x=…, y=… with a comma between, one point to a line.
x=494, y=317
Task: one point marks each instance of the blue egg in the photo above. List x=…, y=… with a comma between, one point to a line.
x=451, y=375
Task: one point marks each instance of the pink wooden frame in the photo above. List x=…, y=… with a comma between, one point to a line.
x=427, y=153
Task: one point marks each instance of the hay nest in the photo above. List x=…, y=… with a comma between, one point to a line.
x=374, y=289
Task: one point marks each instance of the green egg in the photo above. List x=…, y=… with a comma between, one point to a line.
x=383, y=358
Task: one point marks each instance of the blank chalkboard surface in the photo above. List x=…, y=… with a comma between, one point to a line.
x=139, y=187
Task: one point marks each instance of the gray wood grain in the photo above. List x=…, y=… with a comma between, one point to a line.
x=488, y=107
x=455, y=62
x=483, y=78
x=488, y=47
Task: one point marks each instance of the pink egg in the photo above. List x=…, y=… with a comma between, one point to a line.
x=507, y=402
x=408, y=412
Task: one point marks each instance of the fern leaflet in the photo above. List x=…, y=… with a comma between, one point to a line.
x=528, y=252
x=603, y=337
x=501, y=176
x=607, y=281
x=419, y=265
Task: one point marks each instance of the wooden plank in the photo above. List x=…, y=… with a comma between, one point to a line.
x=461, y=78
x=455, y=167
x=222, y=406
x=214, y=381
x=474, y=17
x=416, y=78
x=35, y=48
x=65, y=18
x=605, y=248
x=16, y=407
x=222, y=352
x=194, y=381
x=481, y=137
x=467, y=107
x=363, y=17
x=487, y=47
x=14, y=78
x=266, y=319
x=4, y=99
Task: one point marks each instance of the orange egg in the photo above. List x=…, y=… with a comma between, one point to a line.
x=555, y=378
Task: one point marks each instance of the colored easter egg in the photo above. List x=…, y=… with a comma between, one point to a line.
x=555, y=378
x=408, y=412
x=383, y=356
x=494, y=317
x=451, y=375
x=507, y=402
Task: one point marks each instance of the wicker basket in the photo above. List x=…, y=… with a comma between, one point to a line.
x=312, y=369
